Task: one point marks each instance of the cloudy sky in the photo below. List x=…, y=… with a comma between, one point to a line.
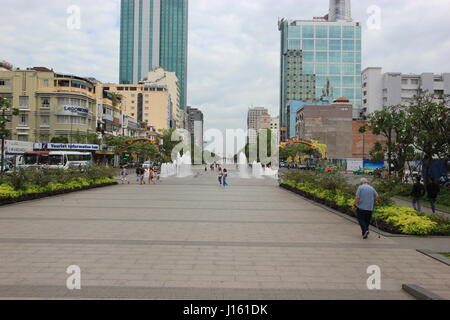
x=233, y=44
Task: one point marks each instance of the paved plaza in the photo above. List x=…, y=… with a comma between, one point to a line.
x=191, y=239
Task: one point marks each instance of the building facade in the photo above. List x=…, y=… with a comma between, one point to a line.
x=328, y=124
x=320, y=58
x=50, y=104
x=196, y=126
x=394, y=88
x=154, y=33
x=254, y=123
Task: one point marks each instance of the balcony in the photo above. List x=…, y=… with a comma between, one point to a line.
x=67, y=90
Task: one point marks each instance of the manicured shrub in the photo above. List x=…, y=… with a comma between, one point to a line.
x=391, y=218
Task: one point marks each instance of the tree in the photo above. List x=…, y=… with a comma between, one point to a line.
x=92, y=138
x=429, y=115
x=6, y=110
x=79, y=137
x=394, y=124
x=59, y=139
x=145, y=151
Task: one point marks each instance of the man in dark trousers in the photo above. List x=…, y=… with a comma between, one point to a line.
x=366, y=196
x=433, y=190
x=417, y=193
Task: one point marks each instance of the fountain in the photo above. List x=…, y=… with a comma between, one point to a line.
x=243, y=167
x=184, y=165
x=257, y=170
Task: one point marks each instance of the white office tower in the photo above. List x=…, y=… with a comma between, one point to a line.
x=340, y=10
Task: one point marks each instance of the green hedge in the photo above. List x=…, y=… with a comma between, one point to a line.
x=334, y=189
x=32, y=181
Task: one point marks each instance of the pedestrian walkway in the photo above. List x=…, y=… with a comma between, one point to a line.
x=191, y=239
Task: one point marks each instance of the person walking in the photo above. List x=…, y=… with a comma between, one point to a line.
x=433, y=190
x=151, y=175
x=417, y=193
x=220, y=176
x=225, y=177
x=140, y=172
x=366, y=197
x=124, y=175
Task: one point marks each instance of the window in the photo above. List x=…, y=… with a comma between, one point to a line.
x=348, y=32
x=4, y=83
x=308, y=32
x=348, y=45
x=321, y=32
x=321, y=45
x=335, y=32
x=70, y=120
x=335, y=69
x=308, y=44
x=335, y=45
x=295, y=32
x=335, y=57
x=45, y=83
x=348, y=57
x=294, y=44
x=404, y=81
x=45, y=103
x=308, y=56
x=415, y=81
x=23, y=102
x=23, y=138
x=308, y=68
x=23, y=120
x=348, y=69
x=63, y=101
x=321, y=68
x=322, y=57
x=347, y=81
x=45, y=121
x=348, y=93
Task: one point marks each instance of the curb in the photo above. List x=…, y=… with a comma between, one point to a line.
x=435, y=256
x=420, y=293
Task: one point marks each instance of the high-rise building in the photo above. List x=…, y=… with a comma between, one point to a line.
x=195, y=126
x=320, y=58
x=395, y=88
x=154, y=34
x=340, y=10
x=254, y=122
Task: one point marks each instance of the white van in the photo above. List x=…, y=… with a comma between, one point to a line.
x=55, y=160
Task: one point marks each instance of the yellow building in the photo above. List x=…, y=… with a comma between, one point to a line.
x=154, y=101
x=50, y=104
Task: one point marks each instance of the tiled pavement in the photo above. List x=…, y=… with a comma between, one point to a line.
x=191, y=239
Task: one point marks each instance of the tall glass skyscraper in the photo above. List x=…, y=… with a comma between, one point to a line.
x=154, y=34
x=320, y=58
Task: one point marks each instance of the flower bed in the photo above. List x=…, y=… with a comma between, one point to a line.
x=389, y=218
x=34, y=184
x=9, y=195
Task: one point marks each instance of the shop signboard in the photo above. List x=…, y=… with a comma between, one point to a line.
x=18, y=147
x=67, y=110
x=70, y=146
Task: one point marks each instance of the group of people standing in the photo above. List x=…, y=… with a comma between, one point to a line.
x=141, y=172
x=223, y=173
